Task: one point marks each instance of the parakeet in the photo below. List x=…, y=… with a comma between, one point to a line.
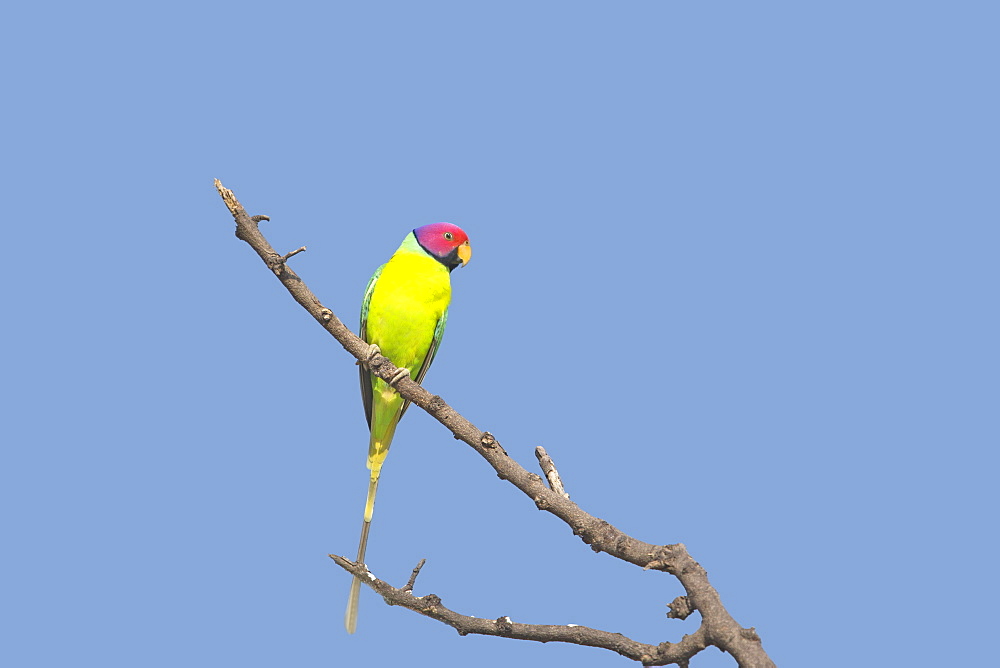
x=403, y=317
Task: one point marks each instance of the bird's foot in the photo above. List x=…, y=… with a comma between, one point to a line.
x=398, y=376
x=373, y=350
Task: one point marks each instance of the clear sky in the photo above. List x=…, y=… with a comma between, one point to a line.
x=735, y=268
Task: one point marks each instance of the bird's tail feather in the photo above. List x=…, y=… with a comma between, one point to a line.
x=351, y=616
x=385, y=417
x=381, y=439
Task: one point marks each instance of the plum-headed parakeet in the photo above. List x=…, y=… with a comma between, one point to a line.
x=403, y=317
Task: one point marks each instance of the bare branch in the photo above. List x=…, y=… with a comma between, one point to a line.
x=720, y=629
x=413, y=575
x=431, y=606
x=294, y=252
x=549, y=469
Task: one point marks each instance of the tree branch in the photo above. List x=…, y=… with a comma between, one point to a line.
x=718, y=626
x=431, y=606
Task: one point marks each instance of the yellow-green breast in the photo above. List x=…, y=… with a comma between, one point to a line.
x=411, y=295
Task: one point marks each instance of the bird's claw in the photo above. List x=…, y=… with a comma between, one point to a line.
x=373, y=352
x=398, y=376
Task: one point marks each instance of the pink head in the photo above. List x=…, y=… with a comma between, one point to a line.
x=445, y=242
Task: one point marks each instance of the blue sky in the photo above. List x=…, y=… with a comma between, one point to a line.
x=735, y=268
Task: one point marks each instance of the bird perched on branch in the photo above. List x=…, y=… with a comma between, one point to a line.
x=403, y=317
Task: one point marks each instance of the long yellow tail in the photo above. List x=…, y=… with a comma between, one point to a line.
x=385, y=416
x=351, y=616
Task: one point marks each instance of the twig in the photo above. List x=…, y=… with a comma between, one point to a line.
x=719, y=626
x=413, y=576
x=549, y=469
x=294, y=252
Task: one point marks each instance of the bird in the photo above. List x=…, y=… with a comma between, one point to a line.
x=403, y=316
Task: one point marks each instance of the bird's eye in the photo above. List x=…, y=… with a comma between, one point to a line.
x=449, y=236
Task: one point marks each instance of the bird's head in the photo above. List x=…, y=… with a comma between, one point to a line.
x=445, y=242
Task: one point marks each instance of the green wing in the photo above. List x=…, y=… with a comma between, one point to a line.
x=366, y=377
x=431, y=352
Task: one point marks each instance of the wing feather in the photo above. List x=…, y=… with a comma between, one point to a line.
x=431, y=352
x=366, y=377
